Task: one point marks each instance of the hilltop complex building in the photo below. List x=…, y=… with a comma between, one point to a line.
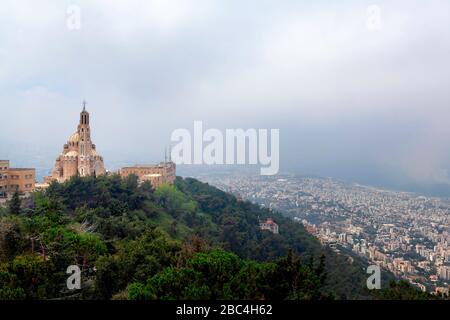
x=163, y=173
x=12, y=179
x=79, y=156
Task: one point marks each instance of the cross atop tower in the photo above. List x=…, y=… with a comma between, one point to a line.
x=84, y=115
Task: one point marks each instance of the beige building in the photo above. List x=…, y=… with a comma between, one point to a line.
x=79, y=156
x=163, y=173
x=12, y=179
x=269, y=225
x=4, y=168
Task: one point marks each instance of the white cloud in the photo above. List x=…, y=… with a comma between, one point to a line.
x=157, y=65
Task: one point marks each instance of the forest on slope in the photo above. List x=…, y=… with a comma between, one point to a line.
x=187, y=241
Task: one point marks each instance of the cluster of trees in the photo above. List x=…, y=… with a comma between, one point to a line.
x=187, y=241
x=223, y=275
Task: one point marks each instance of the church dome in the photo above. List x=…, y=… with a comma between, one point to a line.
x=75, y=137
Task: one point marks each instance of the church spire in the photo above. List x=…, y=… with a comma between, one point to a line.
x=84, y=115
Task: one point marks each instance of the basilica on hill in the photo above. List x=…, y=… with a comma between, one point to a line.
x=79, y=155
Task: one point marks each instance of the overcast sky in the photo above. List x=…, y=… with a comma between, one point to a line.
x=354, y=97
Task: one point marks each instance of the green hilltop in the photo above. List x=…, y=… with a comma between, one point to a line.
x=187, y=241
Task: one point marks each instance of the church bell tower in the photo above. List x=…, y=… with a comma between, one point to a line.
x=84, y=132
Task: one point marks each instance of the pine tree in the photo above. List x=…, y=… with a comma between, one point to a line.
x=15, y=203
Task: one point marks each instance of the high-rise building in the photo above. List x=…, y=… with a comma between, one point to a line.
x=444, y=272
x=79, y=156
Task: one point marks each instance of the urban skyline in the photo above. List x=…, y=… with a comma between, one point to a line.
x=405, y=233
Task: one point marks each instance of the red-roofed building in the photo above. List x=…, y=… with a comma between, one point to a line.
x=269, y=225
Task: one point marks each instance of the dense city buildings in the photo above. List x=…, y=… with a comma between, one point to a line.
x=79, y=156
x=404, y=233
x=12, y=179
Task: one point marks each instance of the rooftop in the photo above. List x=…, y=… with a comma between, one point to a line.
x=143, y=166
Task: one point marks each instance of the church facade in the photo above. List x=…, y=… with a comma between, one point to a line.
x=79, y=155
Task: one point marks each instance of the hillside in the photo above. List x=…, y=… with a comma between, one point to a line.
x=188, y=241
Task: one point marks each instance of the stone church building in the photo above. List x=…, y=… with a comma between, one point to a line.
x=79, y=155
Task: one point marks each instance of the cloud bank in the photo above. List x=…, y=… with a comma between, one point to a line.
x=365, y=104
